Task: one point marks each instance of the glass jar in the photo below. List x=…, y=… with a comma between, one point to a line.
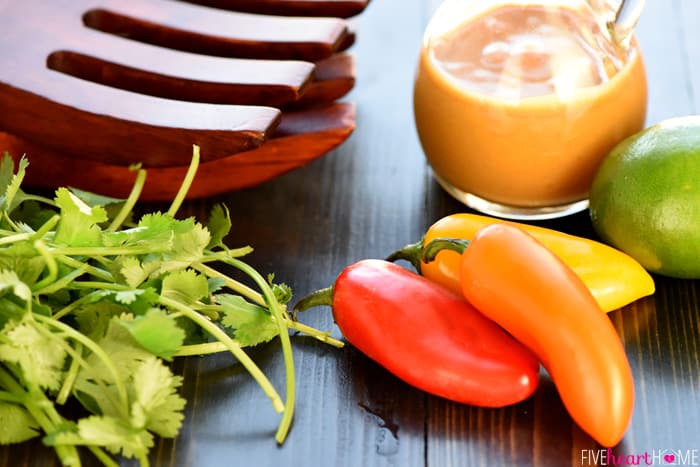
x=516, y=103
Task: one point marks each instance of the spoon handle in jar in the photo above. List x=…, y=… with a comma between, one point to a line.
x=626, y=18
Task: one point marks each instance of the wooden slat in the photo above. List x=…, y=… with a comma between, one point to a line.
x=332, y=79
x=303, y=137
x=215, y=32
x=331, y=8
x=161, y=72
x=100, y=123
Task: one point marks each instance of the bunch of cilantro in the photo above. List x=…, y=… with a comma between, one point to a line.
x=93, y=306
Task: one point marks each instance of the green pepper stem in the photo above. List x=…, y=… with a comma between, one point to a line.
x=410, y=253
x=431, y=250
x=320, y=297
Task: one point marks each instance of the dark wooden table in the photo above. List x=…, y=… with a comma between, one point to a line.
x=372, y=195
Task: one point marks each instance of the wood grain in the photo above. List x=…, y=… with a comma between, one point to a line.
x=372, y=194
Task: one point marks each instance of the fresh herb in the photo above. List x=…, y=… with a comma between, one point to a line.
x=94, y=305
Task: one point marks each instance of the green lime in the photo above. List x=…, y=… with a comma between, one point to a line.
x=645, y=198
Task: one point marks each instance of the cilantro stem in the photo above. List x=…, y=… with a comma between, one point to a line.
x=230, y=252
x=76, y=355
x=36, y=404
x=97, y=350
x=8, y=396
x=8, y=381
x=210, y=311
x=232, y=284
x=46, y=227
x=323, y=336
x=61, y=283
x=9, y=219
x=18, y=237
x=96, y=251
x=234, y=347
x=70, y=378
x=74, y=263
x=130, y=201
x=274, y=308
x=202, y=349
x=102, y=457
x=41, y=199
x=216, y=347
x=68, y=454
x=100, y=285
x=50, y=261
x=73, y=305
x=186, y=182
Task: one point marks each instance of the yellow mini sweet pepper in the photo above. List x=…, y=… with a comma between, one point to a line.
x=614, y=278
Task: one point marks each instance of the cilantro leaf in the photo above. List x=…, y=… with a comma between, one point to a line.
x=157, y=406
x=136, y=272
x=31, y=213
x=252, y=323
x=15, y=297
x=78, y=224
x=216, y=284
x=219, y=225
x=189, y=239
x=282, y=292
x=22, y=259
x=95, y=199
x=137, y=300
x=16, y=424
x=110, y=204
x=188, y=248
x=10, y=311
x=117, y=435
x=11, y=186
x=185, y=286
x=95, y=384
x=156, y=332
x=10, y=281
x=40, y=355
x=94, y=318
x=175, y=244
x=7, y=172
x=154, y=230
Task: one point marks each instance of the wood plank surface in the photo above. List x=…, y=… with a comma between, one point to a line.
x=373, y=194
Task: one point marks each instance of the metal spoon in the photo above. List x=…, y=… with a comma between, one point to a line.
x=626, y=17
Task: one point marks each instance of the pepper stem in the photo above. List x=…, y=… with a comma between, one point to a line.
x=431, y=250
x=320, y=297
x=410, y=253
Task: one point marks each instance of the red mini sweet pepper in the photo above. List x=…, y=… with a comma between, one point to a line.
x=427, y=335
